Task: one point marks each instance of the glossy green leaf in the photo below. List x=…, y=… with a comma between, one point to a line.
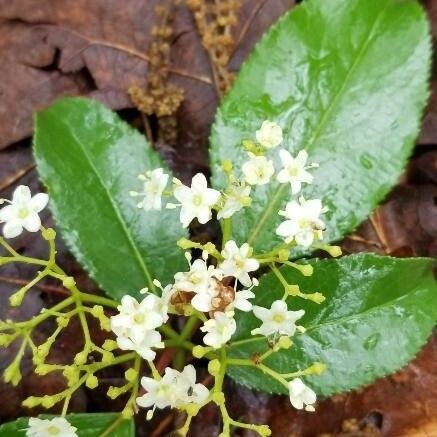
x=88, y=425
x=347, y=81
x=90, y=159
x=378, y=312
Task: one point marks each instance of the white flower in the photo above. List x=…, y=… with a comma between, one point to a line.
x=269, y=135
x=175, y=389
x=203, y=301
x=186, y=389
x=294, y=170
x=143, y=345
x=138, y=316
x=303, y=223
x=155, y=182
x=159, y=393
x=219, y=329
x=241, y=301
x=134, y=325
x=58, y=426
x=301, y=395
x=197, y=280
x=196, y=200
x=22, y=212
x=258, y=170
x=162, y=303
x=277, y=320
x=237, y=262
x=234, y=199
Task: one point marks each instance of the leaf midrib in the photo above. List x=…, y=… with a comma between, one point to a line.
x=269, y=209
x=338, y=321
x=115, y=208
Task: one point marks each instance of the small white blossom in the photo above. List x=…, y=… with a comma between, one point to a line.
x=22, y=212
x=198, y=279
x=302, y=221
x=143, y=345
x=294, y=171
x=301, y=395
x=160, y=393
x=203, y=301
x=234, y=199
x=161, y=303
x=277, y=320
x=175, y=389
x=241, y=301
x=155, y=182
x=58, y=426
x=219, y=330
x=269, y=135
x=202, y=280
x=237, y=262
x=134, y=325
x=187, y=391
x=258, y=170
x=196, y=201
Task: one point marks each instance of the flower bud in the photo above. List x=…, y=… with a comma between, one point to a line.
x=80, y=358
x=305, y=269
x=17, y=298
x=334, y=251
x=184, y=243
x=315, y=297
x=6, y=339
x=12, y=373
x=48, y=234
x=62, y=321
x=68, y=282
x=31, y=402
x=97, y=311
x=214, y=367
x=114, y=392
x=293, y=290
x=264, y=431
x=109, y=345
x=285, y=342
x=200, y=351
x=130, y=375
x=317, y=368
x=107, y=357
x=92, y=382
x=48, y=401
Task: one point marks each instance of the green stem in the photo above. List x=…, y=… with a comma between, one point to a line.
x=226, y=231
x=100, y=300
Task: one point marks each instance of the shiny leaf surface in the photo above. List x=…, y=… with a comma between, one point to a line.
x=90, y=159
x=378, y=312
x=88, y=425
x=347, y=81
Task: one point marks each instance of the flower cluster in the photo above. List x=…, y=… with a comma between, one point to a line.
x=135, y=325
x=175, y=390
x=218, y=284
x=302, y=219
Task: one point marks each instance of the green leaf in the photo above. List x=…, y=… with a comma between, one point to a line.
x=88, y=425
x=90, y=159
x=378, y=312
x=347, y=81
